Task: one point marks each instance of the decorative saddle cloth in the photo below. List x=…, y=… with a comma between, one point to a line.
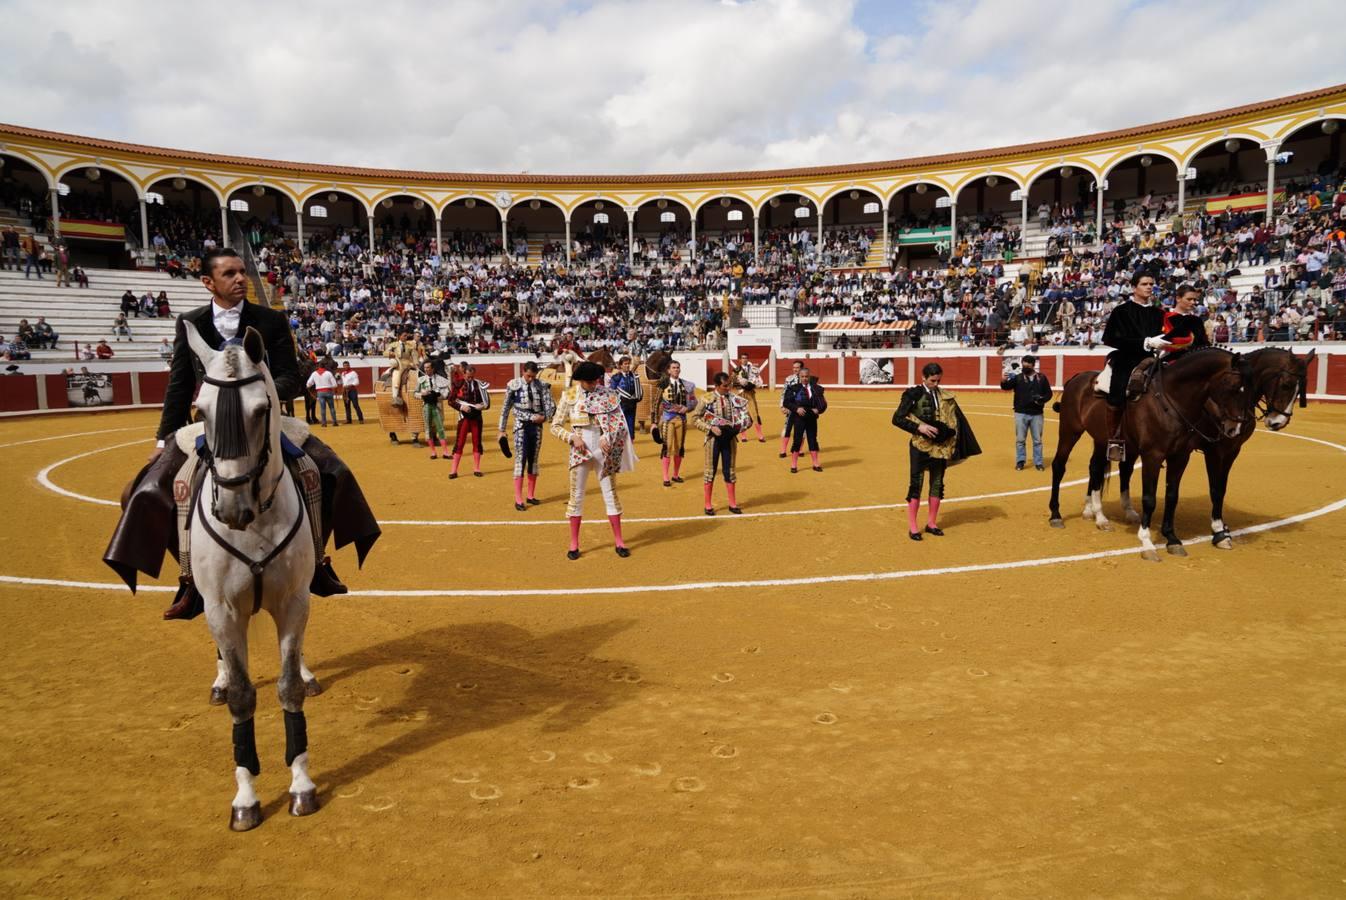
x=192, y=438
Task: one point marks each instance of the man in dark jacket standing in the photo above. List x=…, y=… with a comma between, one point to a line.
x=1032, y=390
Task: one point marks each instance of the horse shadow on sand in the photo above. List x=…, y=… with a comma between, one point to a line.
x=461, y=679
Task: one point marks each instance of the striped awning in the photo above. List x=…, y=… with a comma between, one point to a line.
x=853, y=326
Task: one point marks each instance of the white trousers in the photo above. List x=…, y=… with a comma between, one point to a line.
x=579, y=478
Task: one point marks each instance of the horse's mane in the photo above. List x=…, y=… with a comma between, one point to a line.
x=1202, y=353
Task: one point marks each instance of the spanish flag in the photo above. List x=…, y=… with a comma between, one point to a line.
x=93, y=231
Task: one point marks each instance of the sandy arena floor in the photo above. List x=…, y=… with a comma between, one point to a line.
x=947, y=718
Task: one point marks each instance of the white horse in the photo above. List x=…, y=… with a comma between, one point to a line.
x=251, y=550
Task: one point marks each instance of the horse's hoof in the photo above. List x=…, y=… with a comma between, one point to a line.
x=1177, y=550
x=1104, y=526
x=1225, y=544
x=1133, y=517
x=304, y=803
x=1151, y=555
x=218, y=696
x=312, y=688
x=1057, y=523
x=246, y=818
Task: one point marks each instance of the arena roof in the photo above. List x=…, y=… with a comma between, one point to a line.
x=832, y=171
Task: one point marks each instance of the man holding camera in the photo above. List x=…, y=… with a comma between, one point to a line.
x=1032, y=390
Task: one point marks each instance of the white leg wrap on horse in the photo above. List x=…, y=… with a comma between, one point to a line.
x=246, y=796
x=299, y=779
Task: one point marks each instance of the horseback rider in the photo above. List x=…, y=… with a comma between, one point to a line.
x=149, y=517
x=1134, y=332
x=1182, y=328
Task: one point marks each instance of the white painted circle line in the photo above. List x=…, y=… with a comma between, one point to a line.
x=62, y=437
x=770, y=582
x=44, y=477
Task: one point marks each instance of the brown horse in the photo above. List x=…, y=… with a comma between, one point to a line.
x=656, y=364
x=1276, y=378
x=1198, y=399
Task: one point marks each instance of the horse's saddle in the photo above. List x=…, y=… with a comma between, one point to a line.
x=1140, y=379
x=187, y=482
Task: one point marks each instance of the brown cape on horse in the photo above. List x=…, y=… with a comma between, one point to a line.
x=1198, y=399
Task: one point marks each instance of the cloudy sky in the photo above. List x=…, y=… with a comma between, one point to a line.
x=641, y=85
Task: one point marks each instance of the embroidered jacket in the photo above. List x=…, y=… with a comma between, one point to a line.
x=728, y=410
x=672, y=394
x=581, y=409
x=526, y=399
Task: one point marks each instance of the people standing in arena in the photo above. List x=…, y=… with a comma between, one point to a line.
x=323, y=383
x=722, y=415
x=627, y=385
x=805, y=401
x=530, y=401
x=433, y=390
x=350, y=391
x=939, y=433
x=747, y=379
x=1032, y=390
x=674, y=397
x=589, y=419
x=790, y=381
x=469, y=396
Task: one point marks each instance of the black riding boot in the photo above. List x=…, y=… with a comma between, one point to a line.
x=325, y=581
x=1116, y=451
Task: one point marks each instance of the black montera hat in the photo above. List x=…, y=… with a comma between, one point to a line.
x=587, y=371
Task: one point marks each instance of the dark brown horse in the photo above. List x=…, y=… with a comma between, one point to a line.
x=1198, y=399
x=1276, y=378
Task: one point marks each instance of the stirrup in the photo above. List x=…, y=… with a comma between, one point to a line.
x=1116, y=451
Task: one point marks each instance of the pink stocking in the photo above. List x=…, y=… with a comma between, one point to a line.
x=813, y=455
x=912, y=507
x=518, y=490
x=456, y=458
x=710, y=492
x=732, y=490
x=677, y=466
x=476, y=461
x=932, y=517
x=794, y=460
x=758, y=426
x=616, y=522
x=532, y=487
x=784, y=444
x=434, y=447
x=574, y=532
x=664, y=462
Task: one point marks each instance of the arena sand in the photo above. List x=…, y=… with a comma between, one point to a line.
x=1102, y=727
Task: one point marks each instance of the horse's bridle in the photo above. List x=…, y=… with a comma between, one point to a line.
x=254, y=474
x=1262, y=399
x=1172, y=407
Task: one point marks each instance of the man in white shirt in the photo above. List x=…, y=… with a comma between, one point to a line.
x=350, y=391
x=324, y=384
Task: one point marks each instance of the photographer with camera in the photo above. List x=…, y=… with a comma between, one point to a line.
x=432, y=389
x=1032, y=390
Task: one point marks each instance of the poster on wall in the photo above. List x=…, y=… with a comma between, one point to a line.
x=87, y=388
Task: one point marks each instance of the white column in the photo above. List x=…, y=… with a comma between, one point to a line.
x=439, y=236
x=887, y=251
x=224, y=226
x=1023, y=219
x=1098, y=226
x=953, y=226
x=55, y=212
x=1182, y=191
x=144, y=226
x=631, y=238
x=371, y=232
x=567, y=239
x=693, y=237
x=820, y=231
x=504, y=233
x=299, y=227
x=756, y=238
x=1271, y=181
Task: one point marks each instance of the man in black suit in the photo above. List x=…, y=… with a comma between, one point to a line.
x=149, y=518
x=805, y=401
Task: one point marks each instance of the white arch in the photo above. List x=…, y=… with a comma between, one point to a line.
x=480, y=198
x=593, y=198
x=973, y=179
x=846, y=189
x=101, y=166
x=278, y=188
x=888, y=201
x=1056, y=167
x=715, y=198
x=1220, y=139
x=669, y=198
x=219, y=199
x=323, y=191
x=803, y=198
x=32, y=161
x=1146, y=152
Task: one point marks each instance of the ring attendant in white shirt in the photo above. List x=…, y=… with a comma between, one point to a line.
x=350, y=392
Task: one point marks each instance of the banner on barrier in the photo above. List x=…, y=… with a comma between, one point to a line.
x=88, y=389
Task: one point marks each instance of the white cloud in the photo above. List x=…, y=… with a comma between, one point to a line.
x=640, y=85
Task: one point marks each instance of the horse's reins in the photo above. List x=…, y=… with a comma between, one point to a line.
x=256, y=567
x=1175, y=410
